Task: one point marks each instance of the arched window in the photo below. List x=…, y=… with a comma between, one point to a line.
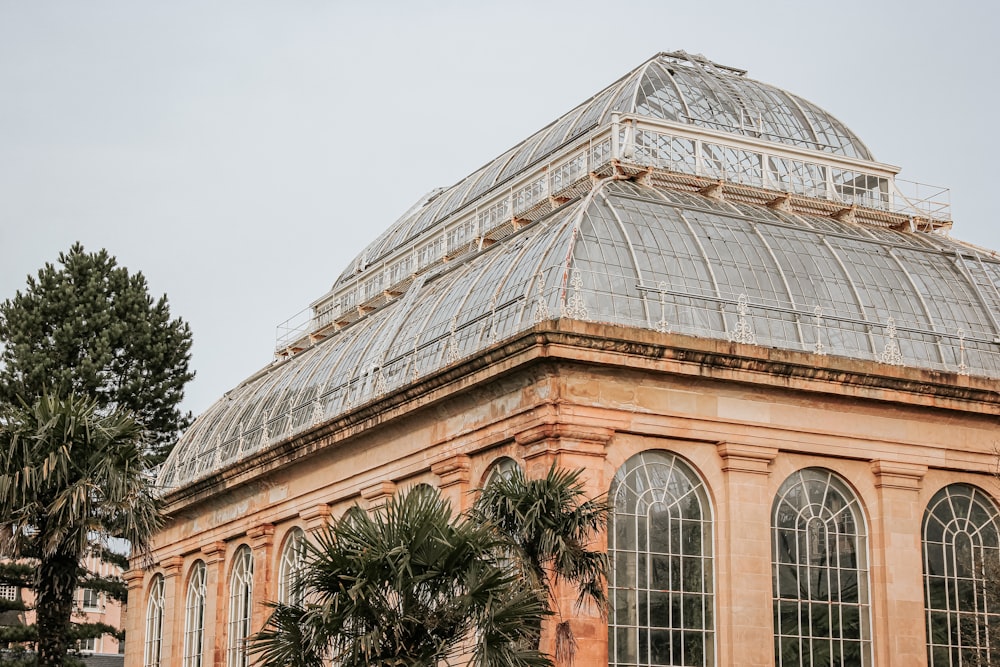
x=290, y=567
x=154, y=623
x=661, y=583
x=961, y=537
x=502, y=468
x=194, y=617
x=240, y=607
x=820, y=573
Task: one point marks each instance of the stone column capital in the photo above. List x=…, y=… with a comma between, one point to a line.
x=739, y=457
x=315, y=517
x=261, y=536
x=379, y=492
x=898, y=475
x=171, y=566
x=545, y=439
x=214, y=552
x=452, y=471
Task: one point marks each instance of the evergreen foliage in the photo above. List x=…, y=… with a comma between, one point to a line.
x=413, y=585
x=91, y=328
x=546, y=526
x=72, y=475
x=410, y=585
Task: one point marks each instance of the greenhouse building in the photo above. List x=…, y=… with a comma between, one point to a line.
x=766, y=348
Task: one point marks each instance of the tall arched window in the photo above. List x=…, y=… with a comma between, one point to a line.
x=502, y=468
x=194, y=617
x=240, y=607
x=661, y=584
x=154, y=623
x=820, y=573
x=290, y=567
x=961, y=537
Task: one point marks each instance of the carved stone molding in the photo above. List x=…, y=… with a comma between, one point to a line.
x=570, y=438
x=133, y=578
x=261, y=536
x=171, y=566
x=897, y=475
x=315, y=517
x=378, y=492
x=214, y=552
x=752, y=459
x=455, y=470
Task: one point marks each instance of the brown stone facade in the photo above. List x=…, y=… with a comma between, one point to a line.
x=591, y=396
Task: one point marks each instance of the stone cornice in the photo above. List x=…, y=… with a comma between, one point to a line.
x=558, y=342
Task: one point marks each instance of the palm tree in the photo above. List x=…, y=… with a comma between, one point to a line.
x=546, y=526
x=407, y=585
x=70, y=477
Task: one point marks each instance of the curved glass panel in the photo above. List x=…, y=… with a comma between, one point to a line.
x=290, y=568
x=194, y=617
x=240, y=608
x=961, y=540
x=661, y=583
x=154, y=624
x=820, y=573
x=640, y=256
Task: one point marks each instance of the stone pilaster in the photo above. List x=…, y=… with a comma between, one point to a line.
x=262, y=545
x=454, y=475
x=213, y=650
x=134, y=622
x=573, y=447
x=897, y=563
x=743, y=561
x=173, y=621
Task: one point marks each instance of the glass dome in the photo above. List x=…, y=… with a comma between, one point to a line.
x=635, y=253
x=675, y=87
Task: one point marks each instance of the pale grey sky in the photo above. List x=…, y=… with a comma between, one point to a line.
x=240, y=153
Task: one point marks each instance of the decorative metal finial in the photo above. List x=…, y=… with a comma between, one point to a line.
x=574, y=307
x=963, y=368
x=451, y=349
x=662, y=325
x=491, y=332
x=381, y=384
x=743, y=332
x=541, y=306
x=891, y=354
x=414, y=374
x=819, y=348
x=317, y=413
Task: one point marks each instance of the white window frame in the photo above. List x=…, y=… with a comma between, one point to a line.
x=240, y=607
x=154, y=623
x=194, y=616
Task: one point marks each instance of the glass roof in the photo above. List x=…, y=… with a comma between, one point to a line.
x=638, y=256
x=676, y=87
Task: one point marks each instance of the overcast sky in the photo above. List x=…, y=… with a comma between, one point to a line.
x=241, y=153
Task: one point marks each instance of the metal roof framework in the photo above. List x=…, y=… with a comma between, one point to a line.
x=683, y=198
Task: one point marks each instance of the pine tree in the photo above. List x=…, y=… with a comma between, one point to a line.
x=91, y=328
